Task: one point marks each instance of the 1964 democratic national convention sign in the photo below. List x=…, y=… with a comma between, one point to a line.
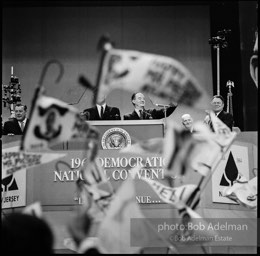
x=115, y=138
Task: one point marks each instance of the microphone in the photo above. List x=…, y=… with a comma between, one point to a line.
x=159, y=105
x=85, y=83
x=162, y=105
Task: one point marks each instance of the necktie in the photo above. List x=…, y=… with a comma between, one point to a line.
x=141, y=114
x=22, y=126
x=101, y=112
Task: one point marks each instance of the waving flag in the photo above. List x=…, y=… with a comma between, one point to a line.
x=114, y=232
x=206, y=152
x=161, y=77
x=244, y=193
x=175, y=196
x=14, y=160
x=53, y=121
x=95, y=181
x=224, y=137
x=199, y=151
x=177, y=145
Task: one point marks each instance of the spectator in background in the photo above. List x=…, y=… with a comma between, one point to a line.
x=187, y=122
x=217, y=104
x=25, y=234
x=17, y=125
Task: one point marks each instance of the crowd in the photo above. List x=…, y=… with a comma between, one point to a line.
x=29, y=233
x=24, y=233
x=18, y=124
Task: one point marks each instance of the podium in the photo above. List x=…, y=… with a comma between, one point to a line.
x=138, y=130
x=53, y=183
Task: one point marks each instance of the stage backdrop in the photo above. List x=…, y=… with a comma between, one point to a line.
x=31, y=36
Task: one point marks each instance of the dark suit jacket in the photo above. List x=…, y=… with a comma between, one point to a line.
x=110, y=113
x=13, y=127
x=150, y=114
x=226, y=118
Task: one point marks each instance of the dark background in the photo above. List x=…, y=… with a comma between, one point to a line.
x=34, y=32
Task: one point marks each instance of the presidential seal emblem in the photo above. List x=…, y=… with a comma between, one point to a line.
x=115, y=138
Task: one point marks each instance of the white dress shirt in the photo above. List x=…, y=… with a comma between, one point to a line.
x=99, y=108
x=138, y=111
x=24, y=123
x=217, y=113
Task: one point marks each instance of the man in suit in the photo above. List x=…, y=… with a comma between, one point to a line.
x=140, y=112
x=101, y=112
x=17, y=125
x=217, y=107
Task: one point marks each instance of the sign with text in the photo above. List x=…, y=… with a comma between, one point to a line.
x=234, y=163
x=54, y=183
x=13, y=187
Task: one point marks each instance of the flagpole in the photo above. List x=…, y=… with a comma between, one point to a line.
x=164, y=127
x=104, y=45
x=40, y=90
x=169, y=245
x=191, y=202
x=209, y=176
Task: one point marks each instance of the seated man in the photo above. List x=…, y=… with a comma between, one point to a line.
x=187, y=122
x=17, y=125
x=101, y=112
x=140, y=112
x=217, y=107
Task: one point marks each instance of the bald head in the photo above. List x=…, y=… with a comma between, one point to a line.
x=187, y=121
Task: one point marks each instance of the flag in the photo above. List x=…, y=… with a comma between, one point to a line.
x=193, y=229
x=115, y=232
x=177, y=144
x=199, y=151
x=161, y=77
x=53, y=121
x=153, y=145
x=95, y=181
x=94, y=187
x=177, y=196
x=206, y=152
x=244, y=193
x=223, y=136
x=14, y=160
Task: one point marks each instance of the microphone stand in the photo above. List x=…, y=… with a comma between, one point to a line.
x=164, y=110
x=218, y=42
x=165, y=116
x=164, y=121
